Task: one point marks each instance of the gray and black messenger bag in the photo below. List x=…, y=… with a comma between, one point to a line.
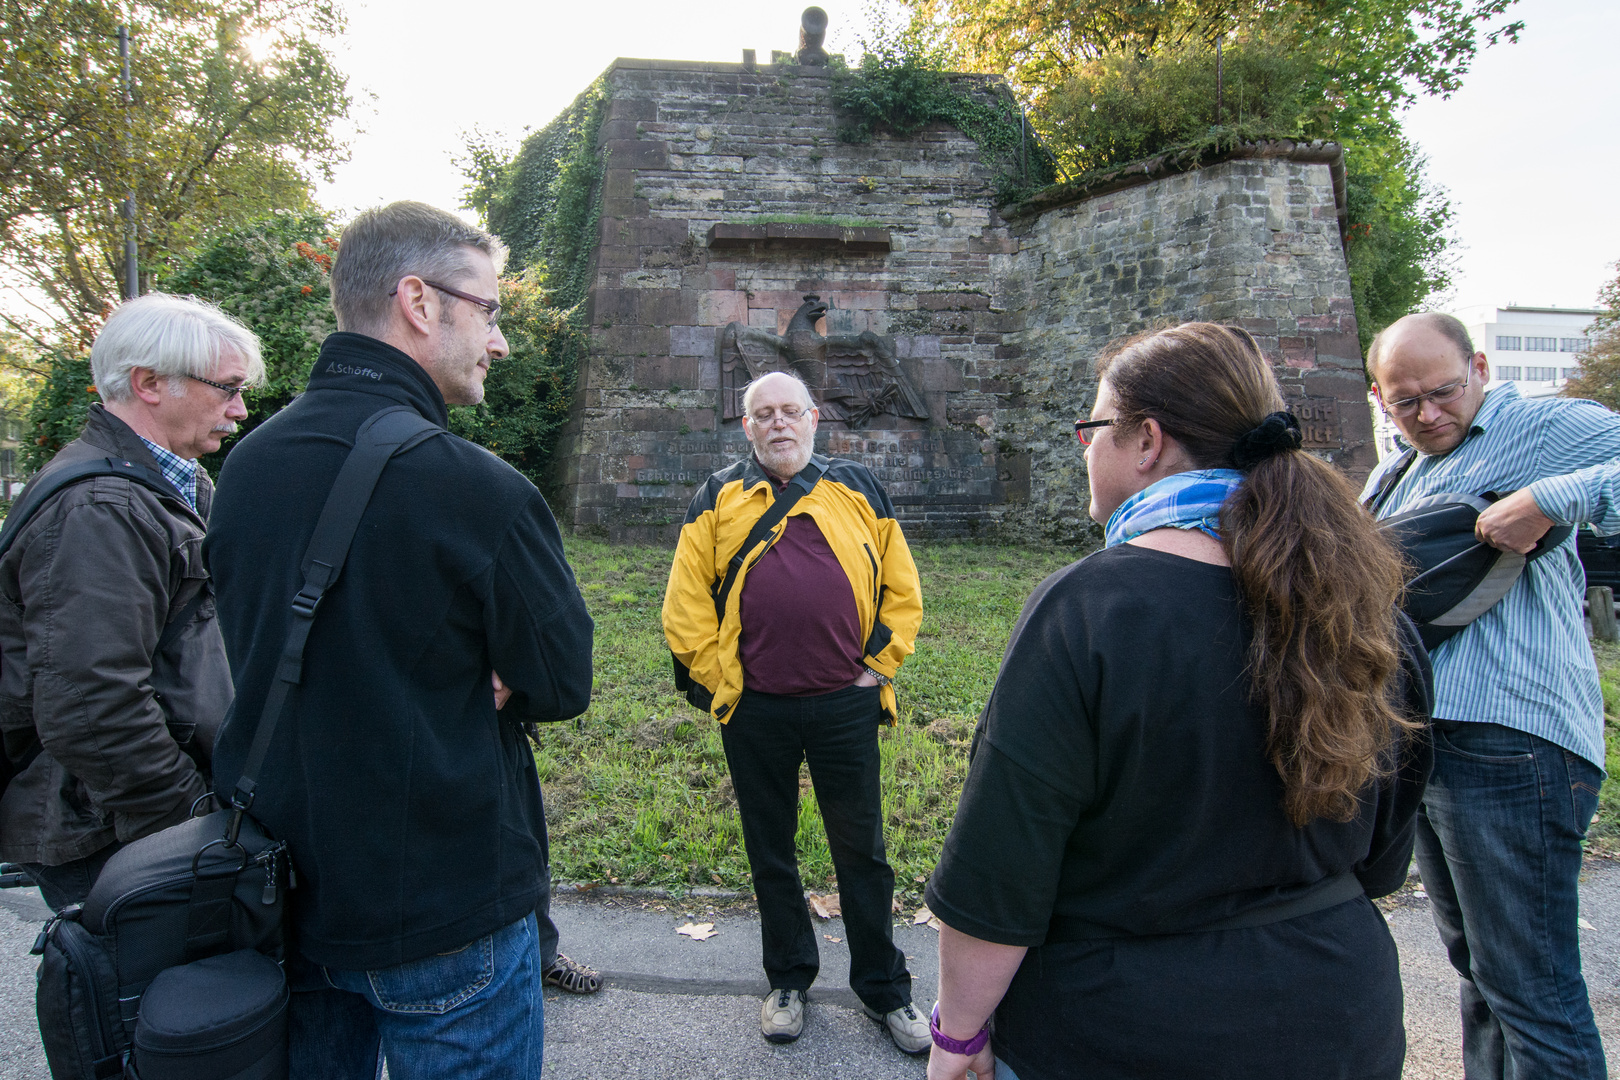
x=172, y=968
x=1457, y=577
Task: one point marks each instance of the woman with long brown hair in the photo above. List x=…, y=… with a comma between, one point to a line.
x=1201, y=760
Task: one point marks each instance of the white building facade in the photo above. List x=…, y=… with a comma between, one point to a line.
x=1538, y=348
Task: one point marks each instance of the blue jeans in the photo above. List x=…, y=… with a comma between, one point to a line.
x=1499, y=846
x=473, y=1014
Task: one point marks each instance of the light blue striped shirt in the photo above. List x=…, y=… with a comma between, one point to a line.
x=1526, y=663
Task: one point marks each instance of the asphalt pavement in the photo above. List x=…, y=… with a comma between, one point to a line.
x=675, y=1007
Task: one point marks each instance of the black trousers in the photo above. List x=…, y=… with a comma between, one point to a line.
x=766, y=739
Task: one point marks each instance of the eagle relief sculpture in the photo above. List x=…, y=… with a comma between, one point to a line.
x=853, y=377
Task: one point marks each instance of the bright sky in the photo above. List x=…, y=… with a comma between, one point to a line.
x=1526, y=149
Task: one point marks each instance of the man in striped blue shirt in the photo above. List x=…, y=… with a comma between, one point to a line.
x=1518, y=712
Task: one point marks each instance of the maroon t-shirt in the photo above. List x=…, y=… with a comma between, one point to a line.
x=800, y=632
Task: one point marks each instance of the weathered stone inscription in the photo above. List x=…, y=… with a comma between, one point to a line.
x=1318, y=421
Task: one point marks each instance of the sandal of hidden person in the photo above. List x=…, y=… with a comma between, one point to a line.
x=570, y=976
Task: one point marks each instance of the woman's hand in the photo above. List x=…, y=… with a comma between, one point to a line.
x=944, y=1065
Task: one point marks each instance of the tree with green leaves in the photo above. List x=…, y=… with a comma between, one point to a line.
x=232, y=109
x=1599, y=378
x=1112, y=81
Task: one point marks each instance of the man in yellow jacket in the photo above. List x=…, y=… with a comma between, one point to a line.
x=796, y=659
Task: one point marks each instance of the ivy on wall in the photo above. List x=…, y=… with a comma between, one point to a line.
x=902, y=87
x=545, y=203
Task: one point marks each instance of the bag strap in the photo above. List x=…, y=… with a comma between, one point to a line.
x=1386, y=487
x=797, y=488
x=389, y=432
x=41, y=488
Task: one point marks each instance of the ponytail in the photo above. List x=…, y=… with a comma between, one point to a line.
x=1318, y=581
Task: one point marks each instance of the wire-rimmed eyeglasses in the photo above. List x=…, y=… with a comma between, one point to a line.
x=1442, y=395
x=492, y=308
x=230, y=391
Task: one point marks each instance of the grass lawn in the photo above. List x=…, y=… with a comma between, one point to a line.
x=637, y=791
x=1604, y=835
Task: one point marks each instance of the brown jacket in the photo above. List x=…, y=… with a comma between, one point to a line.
x=87, y=589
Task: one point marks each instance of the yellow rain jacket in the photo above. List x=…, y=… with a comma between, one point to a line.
x=854, y=514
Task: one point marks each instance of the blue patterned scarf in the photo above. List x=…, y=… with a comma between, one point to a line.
x=1185, y=500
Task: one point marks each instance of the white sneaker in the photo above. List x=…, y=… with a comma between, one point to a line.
x=781, y=1017
x=907, y=1027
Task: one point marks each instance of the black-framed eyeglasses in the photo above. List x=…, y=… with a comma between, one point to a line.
x=1443, y=395
x=230, y=391
x=1086, y=430
x=492, y=308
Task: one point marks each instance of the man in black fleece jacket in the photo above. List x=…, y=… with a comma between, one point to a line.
x=400, y=774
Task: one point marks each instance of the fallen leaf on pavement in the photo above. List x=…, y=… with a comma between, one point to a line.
x=834, y=940
x=1584, y=925
x=828, y=907
x=922, y=916
x=702, y=931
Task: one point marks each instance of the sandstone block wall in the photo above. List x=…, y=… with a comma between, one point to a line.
x=1254, y=243
x=994, y=321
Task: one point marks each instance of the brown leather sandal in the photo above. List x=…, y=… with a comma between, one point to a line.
x=572, y=977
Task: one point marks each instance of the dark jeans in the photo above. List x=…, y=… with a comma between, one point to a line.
x=766, y=739
x=70, y=882
x=1499, y=846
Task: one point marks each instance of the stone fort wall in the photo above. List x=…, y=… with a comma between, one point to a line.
x=993, y=321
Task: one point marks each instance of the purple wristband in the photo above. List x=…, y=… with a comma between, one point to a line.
x=956, y=1046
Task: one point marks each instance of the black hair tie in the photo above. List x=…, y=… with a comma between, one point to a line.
x=1278, y=432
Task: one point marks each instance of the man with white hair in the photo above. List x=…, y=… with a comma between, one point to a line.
x=114, y=681
x=791, y=604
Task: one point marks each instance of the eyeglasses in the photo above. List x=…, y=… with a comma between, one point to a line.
x=1086, y=430
x=791, y=414
x=230, y=391
x=1444, y=395
x=492, y=308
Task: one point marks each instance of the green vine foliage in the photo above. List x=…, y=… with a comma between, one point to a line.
x=1123, y=107
x=528, y=395
x=902, y=84
x=273, y=275
x=545, y=203
x=60, y=409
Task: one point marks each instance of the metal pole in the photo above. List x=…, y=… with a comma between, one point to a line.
x=132, y=272
x=1023, y=143
x=1218, y=79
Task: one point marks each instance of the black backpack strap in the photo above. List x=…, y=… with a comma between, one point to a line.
x=41, y=488
x=389, y=432
x=1386, y=487
x=797, y=488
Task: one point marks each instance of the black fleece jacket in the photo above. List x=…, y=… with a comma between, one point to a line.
x=411, y=807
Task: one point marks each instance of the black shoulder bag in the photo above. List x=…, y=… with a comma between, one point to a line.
x=200, y=898
x=800, y=486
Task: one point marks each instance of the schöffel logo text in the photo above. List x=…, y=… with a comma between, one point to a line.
x=350, y=369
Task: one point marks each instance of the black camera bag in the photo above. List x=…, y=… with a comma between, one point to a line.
x=210, y=886
x=221, y=1017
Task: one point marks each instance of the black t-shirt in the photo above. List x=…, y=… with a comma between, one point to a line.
x=1119, y=786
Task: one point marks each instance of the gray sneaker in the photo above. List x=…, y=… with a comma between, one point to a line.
x=781, y=1017
x=907, y=1027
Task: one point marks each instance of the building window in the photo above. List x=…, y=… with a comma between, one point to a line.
x=1507, y=344
x=1508, y=371
x=1572, y=373
x=1540, y=374
x=1572, y=344
x=1540, y=344
x=8, y=463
